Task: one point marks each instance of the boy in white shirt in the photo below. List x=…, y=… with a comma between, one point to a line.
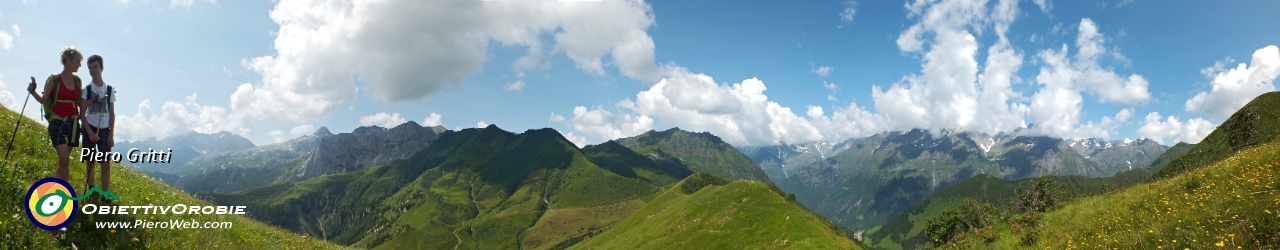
x=99, y=105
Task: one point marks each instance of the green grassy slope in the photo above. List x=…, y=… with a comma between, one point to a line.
x=1232, y=203
x=905, y=231
x=1254, y=124
x=707, y=212
x=701, y=152
x=33, y=159
x=476, y=188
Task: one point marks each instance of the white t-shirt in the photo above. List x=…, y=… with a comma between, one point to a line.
x=99, y=115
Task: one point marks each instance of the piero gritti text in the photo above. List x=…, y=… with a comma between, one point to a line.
x=134, y=156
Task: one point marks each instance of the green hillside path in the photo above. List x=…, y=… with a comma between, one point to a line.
x=33, y=159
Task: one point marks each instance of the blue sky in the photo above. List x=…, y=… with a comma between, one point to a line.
x=275, y=70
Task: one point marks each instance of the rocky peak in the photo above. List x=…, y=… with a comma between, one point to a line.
x=323, y=131
x=366, y=147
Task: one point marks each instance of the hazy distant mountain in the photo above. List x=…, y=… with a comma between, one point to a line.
x=366, y=147
x=780, y=161
x=236, y=170
x=303, y=158
x=185, y=147
x=874, y=178
x=701, y=152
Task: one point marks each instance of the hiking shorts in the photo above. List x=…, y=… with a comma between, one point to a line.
x=61, y=131
x=101, y=145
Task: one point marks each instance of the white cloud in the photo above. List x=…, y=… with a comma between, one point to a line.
x=1104, y=128
x=1090, y=76
x=1045, y=5
x=1233, y=88
x=577, y=140
x=850, y=9
x=301, y=130
x=16, y=31
x=277, y=136
x=949, y=93
x=406, y=50
x=604, y=125
x=830, y=86
x=758, y=121
x=382, y=119
x=1192, y=131
x=822, y=71
x=514, y=86
x=176, y=119
x=7, y=98
x=6, y=40
x=481, y=124
x=1055, y=109
x=432, y=119
x=556, y=118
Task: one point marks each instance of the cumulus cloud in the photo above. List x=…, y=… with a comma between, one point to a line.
x=1235, y=87
x=176, y=119
x=556, y=118
x=406, y=50
x=277, y=136
x=822, y=71
x=382, y=119
x=301, y=130
x=755, y=121
x=1191, y=131
x=517, y=85
x=577, y=140
x=1055, y=109
x=605, y=125
x=949, y=92
x=16, y=31
x=6, y=40
x=481, y=124
x=432, y=119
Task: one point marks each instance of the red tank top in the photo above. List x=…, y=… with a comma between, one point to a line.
x=66, y=108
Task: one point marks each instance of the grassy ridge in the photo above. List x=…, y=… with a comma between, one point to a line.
x=708, y=212
x=33, y=159
x=1254, y=124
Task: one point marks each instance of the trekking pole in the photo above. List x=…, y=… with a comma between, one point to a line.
x=15, y=126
